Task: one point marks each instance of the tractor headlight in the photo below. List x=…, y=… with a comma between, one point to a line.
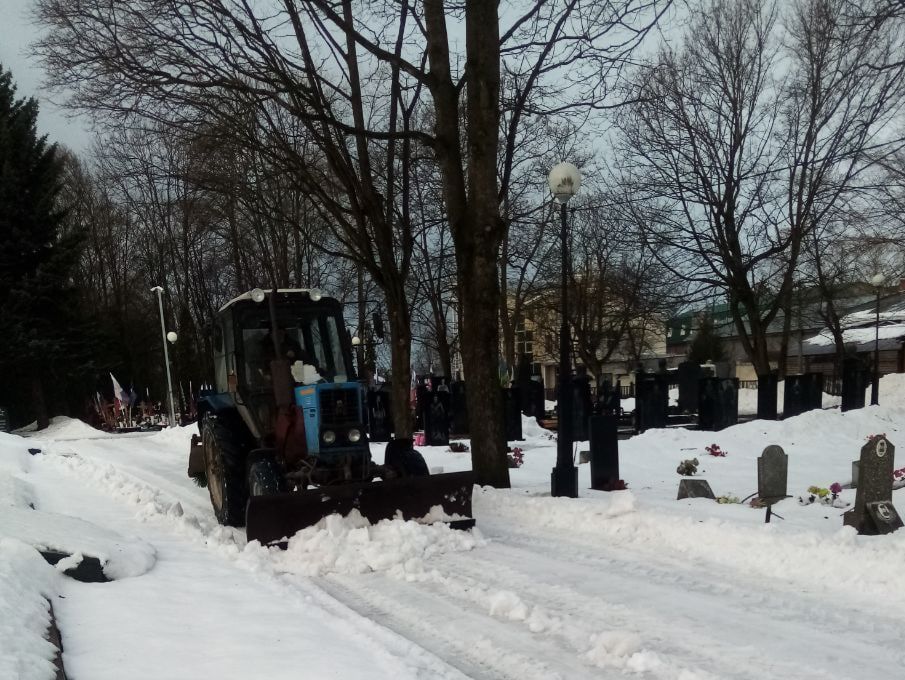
x=329, y=437
x=354, y=435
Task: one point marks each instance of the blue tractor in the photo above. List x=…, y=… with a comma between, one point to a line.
x=282, y=435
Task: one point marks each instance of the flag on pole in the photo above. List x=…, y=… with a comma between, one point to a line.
x=120, y=396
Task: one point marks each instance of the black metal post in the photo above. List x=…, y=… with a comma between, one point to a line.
x=564, y=478
x=875, y=385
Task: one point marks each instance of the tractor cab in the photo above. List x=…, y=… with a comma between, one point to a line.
x=287, y=414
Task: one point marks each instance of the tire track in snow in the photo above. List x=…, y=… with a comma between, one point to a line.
x=225, y=544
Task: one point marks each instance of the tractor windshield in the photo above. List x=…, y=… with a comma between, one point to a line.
x=309, y=341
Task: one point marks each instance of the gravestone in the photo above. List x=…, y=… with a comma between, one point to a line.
x=772, y=475
x=604, y=432
x=722, y=369
x=884, y=516
x=767, y=397
x=436, y=419
x=855, y=465
x=458, y=409
x=533, y=396
x=522, y=380
x=689, y=373
x=717, y=403
x=651, y=401
x=694, y=488
x=380, y=416
x=854, y=382
x=512, y=414
x=802, y=393
x=422, y=402
x=581, y=407
x=874, y=486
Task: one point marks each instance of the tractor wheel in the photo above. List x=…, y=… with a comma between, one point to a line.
x=264, y=476
x=224, y=466
x=413, y=464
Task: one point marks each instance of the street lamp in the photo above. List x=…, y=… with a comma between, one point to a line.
x=877, y=281
x=166, y=353
x=564, y=181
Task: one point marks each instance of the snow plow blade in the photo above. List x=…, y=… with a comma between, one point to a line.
x=275, y=518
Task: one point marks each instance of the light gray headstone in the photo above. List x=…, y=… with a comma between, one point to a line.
x=694, y=488
x=772, y=474
x=874, y=485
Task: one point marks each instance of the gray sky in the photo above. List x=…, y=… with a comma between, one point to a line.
x=17, y=32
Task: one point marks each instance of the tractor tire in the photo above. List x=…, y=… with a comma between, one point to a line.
x=224, y=466
x=264, y=476
x=413, y=464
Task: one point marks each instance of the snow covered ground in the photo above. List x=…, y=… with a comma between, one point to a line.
x=626, y=584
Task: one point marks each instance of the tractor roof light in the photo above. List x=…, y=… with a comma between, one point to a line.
x=315, y=294
x=354, y=436
x=258, y=295
x=329, y=437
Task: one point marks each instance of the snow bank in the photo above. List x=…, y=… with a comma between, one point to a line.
x=14, y=462
x=26, y=584
x=63, y=428
x=119, y=557
x=352, y=545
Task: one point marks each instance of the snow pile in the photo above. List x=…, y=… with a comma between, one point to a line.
x=26, y=583
x=14, y=462
x=62, y=428
x=352, y=545
x=177, y=437
x=120, y=557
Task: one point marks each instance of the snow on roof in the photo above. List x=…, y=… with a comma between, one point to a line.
x=891, y=337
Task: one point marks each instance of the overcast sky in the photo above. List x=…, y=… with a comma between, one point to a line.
x=17, y=32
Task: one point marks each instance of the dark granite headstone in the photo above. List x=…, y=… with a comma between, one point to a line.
x=581, y=407
x=767, y=393
x=772, y=474
x=651, y=400
x=855, y=465
x=436, y=419
x=854, y=382
x=884, y=517
x=512, y=414
x=802, y=393
x=722, y=369
x=694, y=488
x=522, y=379
x=533, y=399
x=689, y=373
x=380, y=416
x=604, y=452
x=458, y=408
x=422, y=402
x=874, y=483
x=717, y=403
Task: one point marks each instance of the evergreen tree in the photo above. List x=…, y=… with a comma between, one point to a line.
x=706, y=345
x=40, y=337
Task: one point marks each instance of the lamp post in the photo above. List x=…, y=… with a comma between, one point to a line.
x=564, y=181
x=877, y=281
x=166, y=352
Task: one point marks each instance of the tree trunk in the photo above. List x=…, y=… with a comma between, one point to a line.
x=477, y=290
x=473, y=213
x=38, y=403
